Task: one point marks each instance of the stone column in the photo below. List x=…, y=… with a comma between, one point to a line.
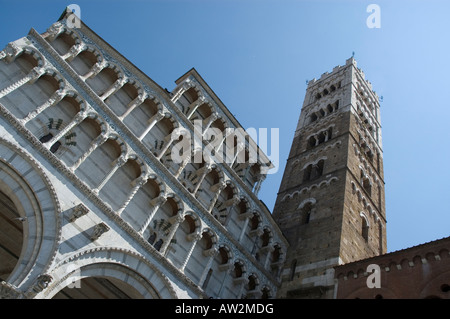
x=218, y=189
x=257, y=233
x=182, y=166
x=99, y=140
x=239, y=148
x=96, y=69
x=77, y=120
x=247, y=217
x=210, y=119
x=31, y=77
x=268, y=249
x=194, y=237
x=183, y=88
x=152, y=121
x=226, y=269
x=74, y=51
x=204, y=171
x=195, y=106
x=247, y=171
x=226, y=133
x=133, y=104
x=258, y=184
x=176, y=221
x=54, y=99
x=137, y=184
x=114, y=88
x=156, y=202
x=212, y=254
x=117, y=163
x=242, y=281
x=168, y=140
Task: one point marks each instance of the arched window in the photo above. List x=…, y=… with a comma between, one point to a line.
x=313, y=118
x=322, y=137
x=311, y=142
x=306, y=214
x=317, y=169
x=366, y=184
x=313, y=171
x=364, y=227
x=306, y=209
x=329, y=108
x=307, y=173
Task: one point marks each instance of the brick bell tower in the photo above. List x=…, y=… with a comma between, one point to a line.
x=331, y=204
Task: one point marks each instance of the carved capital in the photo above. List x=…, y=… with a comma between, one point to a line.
x=11, y=51
x=158, y=201
x=119, y=83
x=218, y=187
x=75, y=50
x=177, y=219
x=121, y=161
x=194, y=236
x=54, y=30
x=97, y=67
x=140, y=181
x=210, y=252
x=36, y=73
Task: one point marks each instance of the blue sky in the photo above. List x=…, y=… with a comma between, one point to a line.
x=257, y=56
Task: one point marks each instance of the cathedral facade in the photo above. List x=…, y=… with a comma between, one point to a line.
x=112, y=187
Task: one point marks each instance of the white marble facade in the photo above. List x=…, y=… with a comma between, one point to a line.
x=93, y=204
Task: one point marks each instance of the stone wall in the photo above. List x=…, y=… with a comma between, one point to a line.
x=414, y=273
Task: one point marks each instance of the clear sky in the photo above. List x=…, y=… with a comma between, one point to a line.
x=258, y=54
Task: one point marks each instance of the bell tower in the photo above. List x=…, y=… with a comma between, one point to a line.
x=331, y=204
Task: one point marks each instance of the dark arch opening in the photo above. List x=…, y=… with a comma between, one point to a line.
x=99, y=288
x=11, y=236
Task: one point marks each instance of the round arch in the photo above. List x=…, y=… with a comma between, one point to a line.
x=37, y=208
x=122, y=267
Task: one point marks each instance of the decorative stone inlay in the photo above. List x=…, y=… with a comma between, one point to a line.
x=99, y=230
x=77, y=212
